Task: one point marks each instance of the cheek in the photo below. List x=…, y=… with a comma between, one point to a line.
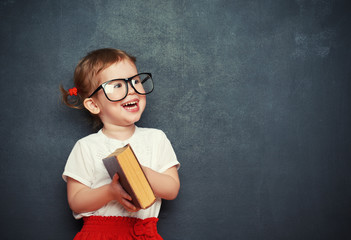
x=142, y=102
x=142, y=99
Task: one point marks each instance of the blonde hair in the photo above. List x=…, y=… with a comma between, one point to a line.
x=85, y=72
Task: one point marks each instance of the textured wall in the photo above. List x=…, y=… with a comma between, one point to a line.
x=254, y=95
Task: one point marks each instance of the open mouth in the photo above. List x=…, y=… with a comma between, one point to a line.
x=130, y=105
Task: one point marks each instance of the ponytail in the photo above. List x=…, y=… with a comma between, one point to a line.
x=71, y=98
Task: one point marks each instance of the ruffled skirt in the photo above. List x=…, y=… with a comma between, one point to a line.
x=118, y=228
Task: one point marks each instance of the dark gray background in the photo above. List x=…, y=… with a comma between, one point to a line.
x=254, y=96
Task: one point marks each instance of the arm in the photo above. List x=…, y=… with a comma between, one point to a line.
x=165, y=185
x=84, y=199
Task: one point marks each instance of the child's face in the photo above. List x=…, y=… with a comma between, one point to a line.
x=127, y=111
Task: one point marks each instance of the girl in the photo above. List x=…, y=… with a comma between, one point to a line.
x=109, y=86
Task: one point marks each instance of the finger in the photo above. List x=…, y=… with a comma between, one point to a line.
x=132, y=210
x=115, y=178
x=125, y=195
x=129, y=206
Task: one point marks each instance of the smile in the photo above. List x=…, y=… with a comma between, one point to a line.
x=130, y=105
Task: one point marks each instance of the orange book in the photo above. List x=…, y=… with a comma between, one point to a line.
x=131, y=176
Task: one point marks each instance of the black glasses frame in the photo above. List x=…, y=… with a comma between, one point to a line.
x=102, y=86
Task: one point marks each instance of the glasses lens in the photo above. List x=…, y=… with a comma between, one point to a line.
x=116, y=90
x=143, y=83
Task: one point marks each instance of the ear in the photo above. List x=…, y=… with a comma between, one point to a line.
x=91, y=105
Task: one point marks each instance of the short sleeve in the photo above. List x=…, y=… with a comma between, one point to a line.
x=165, y=153
x=79, y=165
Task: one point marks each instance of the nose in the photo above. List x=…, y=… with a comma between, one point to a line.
x=130, y=89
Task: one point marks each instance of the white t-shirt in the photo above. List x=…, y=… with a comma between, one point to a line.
x=84, y=164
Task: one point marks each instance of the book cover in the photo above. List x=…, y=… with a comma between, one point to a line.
x=131, y=176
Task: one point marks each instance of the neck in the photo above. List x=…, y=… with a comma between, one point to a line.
x=118, y=132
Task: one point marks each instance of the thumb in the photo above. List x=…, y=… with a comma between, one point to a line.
x=115, y=178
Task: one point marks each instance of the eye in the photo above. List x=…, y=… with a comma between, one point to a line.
x=135, y=81
x=117, y=85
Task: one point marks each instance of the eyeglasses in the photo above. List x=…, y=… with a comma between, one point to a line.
x=117, y=89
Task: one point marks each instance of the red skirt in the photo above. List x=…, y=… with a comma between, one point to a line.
x=118, y=228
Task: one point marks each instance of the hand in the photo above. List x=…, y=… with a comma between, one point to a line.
x=121, y=195
x=166, y=184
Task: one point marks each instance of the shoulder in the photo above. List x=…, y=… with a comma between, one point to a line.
x=91, y=139
x=151, y=133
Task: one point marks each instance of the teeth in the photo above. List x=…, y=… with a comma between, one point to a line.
x=130, y=103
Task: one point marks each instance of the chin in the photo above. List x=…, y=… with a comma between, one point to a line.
x=133, y=121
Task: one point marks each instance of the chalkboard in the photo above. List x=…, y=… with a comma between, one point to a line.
x=254, y=96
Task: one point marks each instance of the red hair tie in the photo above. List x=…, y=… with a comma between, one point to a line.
x=73, y=91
